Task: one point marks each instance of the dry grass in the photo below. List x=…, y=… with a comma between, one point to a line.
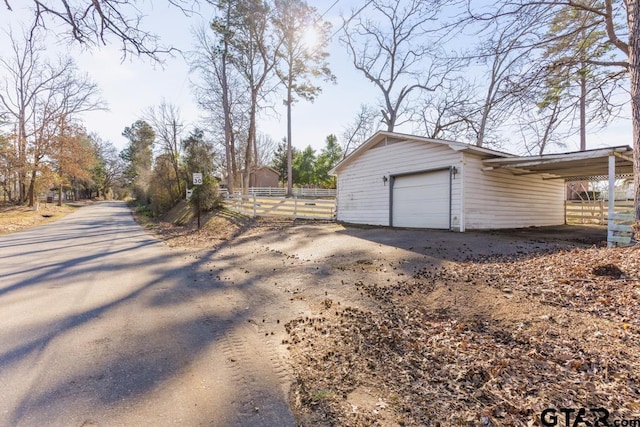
x=15, y=218
x=178, y=227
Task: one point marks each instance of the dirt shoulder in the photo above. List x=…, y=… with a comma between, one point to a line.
x=15, y=218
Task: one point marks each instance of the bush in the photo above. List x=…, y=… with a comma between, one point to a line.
x=206, y=195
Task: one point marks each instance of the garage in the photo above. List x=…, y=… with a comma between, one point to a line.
x=421, y=200
x=400, y=180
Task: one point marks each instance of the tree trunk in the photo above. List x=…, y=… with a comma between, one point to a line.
x=229, y=150
x=583, y=110
x=22, y=160
x=633, y=15
x=248, y=161
x=175, y=160
x=32, y=188
x=289, y=147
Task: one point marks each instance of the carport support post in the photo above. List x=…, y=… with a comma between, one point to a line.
x=612, y=198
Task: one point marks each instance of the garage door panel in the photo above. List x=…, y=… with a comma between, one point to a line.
x=422, y=200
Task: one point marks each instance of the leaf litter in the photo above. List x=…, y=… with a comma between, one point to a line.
x=490, y=341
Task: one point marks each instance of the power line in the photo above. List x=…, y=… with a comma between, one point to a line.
x=327, y=11
x=358, y=12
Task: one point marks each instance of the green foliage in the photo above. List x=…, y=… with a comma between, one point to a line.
x=198, y=154
x=279, y=160
x=162, y=186
x=304, y=164
x=198, y=157
x=206, y=196
x=307, y=168
x=300, y=63
x=330, y=155
x=138, y=156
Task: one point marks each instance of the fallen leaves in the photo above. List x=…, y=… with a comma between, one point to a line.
x=489, y=341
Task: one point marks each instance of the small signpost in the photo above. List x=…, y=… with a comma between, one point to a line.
x=197, y=180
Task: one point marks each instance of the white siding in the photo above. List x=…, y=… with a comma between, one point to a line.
x=500, y=199
x=363, y=197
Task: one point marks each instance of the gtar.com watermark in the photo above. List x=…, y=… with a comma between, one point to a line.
x=583, y=417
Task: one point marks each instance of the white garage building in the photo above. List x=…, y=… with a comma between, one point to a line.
x=402, y=180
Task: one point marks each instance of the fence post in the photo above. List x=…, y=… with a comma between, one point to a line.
x=295, y=206
x=254, y=205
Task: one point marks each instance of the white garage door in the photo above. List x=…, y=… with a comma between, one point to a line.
x=422, y=200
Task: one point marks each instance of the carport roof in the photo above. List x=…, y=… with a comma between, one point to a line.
x=590, y=165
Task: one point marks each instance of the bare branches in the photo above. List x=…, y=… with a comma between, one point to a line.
x=391, y=47
x=98, y=22
x=39, y=97
x=365, y=124
x=168, y=127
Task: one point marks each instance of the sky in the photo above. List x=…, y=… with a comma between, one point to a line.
x=130, y=86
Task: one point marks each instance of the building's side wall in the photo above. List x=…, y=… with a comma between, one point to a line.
x=363, y=197
x=264, y=177
x=500, y=199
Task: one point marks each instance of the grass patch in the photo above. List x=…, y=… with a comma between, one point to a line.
x=16, y=218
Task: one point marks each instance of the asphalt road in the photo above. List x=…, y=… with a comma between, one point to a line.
x=100, y=324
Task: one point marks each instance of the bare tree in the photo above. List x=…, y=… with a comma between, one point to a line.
x=395, y=48
x=363, y=126
x=220, y=91
x=266, y=147
x=35, y=95
x=508, y=54
x=448, y=114
x=168, y=127
x=95, y=23
x=252, y=51
x=540, y=126
x=618, y=19
x=109, y=171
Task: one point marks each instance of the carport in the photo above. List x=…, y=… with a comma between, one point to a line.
x=601, y=164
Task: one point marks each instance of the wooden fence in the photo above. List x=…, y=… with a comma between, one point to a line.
x=592, y=211
x=620, y=232
x=282, y=207
x=281, y=192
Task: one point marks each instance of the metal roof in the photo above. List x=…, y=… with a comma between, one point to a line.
x=589, y=165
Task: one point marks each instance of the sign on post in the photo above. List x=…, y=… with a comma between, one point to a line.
x=197, y=178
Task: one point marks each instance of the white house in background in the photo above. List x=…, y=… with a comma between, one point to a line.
x=401, y=180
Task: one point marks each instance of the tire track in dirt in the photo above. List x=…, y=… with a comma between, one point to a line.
x=255, y=361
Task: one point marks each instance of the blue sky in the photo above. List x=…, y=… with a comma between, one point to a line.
x=132, y=85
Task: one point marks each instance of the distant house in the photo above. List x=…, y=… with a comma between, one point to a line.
x=401, y=180
x=263, y=176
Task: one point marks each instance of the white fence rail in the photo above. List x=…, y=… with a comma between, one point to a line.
x=282, y=207
x=619, y=230
x=592, y=211
x=281, y=192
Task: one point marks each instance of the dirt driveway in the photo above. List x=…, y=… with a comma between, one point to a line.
x=303, y=282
